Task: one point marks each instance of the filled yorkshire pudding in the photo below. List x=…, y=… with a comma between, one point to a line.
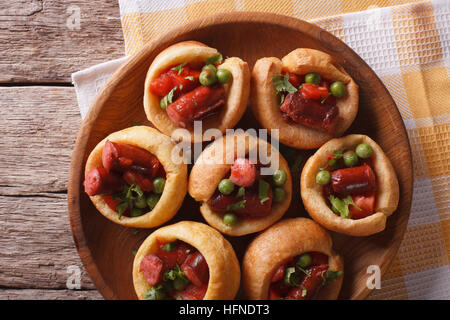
x=243, y=183
x=131, y=179
x=292, y=260
x=186, y=261
x=349, y=186
x=306, y=95
x=189, y=82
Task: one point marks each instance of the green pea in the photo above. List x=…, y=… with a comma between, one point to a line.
x=323, y=177
x=337, y=89
x=152, y=200
x=279, y=194
x=279, y=177
x=226, y=186
x=229, y=219
x=210, y=67
x=304, y=260
x=291, y=277
x=136, y=212
x=312, y=77
x=364, y=150
x=207, y=77
x=140, y=202
x=350, y=158
x=158, y=185
x=223, y=75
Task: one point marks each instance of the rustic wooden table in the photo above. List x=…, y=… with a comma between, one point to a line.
x=38, y=125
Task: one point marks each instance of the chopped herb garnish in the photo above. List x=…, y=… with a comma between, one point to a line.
x=330, y=276
x=241, y=192
x=195, y=102
x=169, y=246
x=155, y=293
x=168, y=99
x=340, y=207
x=263, y=191
x=304, y=271
x=324, y=99
x=282, y=84
x=217, y=58
x=179, y=67
x=189, y=78
x=304, y=292
x=180, y=86
x=291, y=277
x=121, y=208
x=236, y=206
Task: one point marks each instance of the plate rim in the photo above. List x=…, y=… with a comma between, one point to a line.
x=161, y=42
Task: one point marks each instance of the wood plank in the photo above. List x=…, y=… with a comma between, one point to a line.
x=36, y=244
x=42, y=294
x=38, y=44
x=38, y=126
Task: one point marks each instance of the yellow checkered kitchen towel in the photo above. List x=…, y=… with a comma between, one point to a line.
x=407, y=43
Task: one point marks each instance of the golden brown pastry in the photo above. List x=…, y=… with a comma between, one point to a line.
x=132, y=180
x=240, y=189
x=292, y=260
x=349, y=186
x=188, y=82
x=306, y=95
x=187, y=260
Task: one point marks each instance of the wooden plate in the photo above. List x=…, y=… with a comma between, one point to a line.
x=106, y=249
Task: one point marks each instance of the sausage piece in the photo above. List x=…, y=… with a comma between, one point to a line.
x=310, y=113
x=353, y=181
x=123, y=157
x=196, y=269
x=100, y=181
x=243, y=173
x=196, y=105
x=153, y=268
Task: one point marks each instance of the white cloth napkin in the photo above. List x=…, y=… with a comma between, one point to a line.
x=89, y=82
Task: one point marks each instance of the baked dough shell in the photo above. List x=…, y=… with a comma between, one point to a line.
x=264, y=100
x=214, y=163
x=284, y=240
x=195, y=53
x=224, y=270
x=176, y=176
x=387, y=194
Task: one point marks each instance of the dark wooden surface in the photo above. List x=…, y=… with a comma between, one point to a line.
x=39, y=120
x=106, y=247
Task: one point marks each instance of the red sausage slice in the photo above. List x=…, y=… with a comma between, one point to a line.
x=365, y=203
x=312, y=284
x=196, y=105
x=310, y=113
x=243, y=172
x=131, y=177
x=354, y=181
x=196, y=269
x=153, y=268
x=123, y=157
x=253, y=206
x=100, y=181
x=165, y=82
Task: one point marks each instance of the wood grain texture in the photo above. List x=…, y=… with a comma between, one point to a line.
x=40, y=294
x=104, y=246
x=38, y=46
x=38, y=126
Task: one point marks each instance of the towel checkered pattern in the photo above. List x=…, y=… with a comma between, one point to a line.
x=407, y=43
